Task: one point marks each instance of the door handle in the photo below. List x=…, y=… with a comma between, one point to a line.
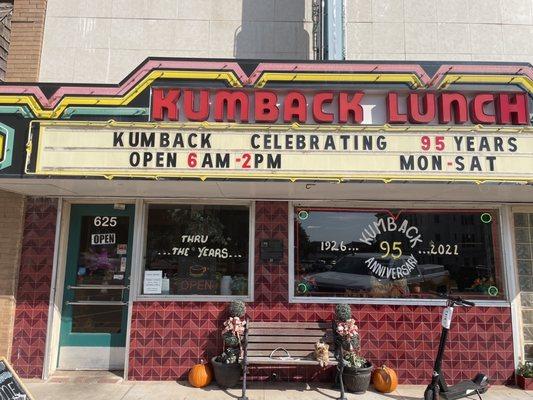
x=96, y=303
x=95, y=287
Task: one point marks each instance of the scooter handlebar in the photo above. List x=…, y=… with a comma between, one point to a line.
x=454, y=299
x=467, y=303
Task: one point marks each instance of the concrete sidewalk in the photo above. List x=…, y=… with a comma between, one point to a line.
x=105, y=387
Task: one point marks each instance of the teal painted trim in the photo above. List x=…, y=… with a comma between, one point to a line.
x=109, y=111
x=9, y=134
x=66, y=337
x=22, y=110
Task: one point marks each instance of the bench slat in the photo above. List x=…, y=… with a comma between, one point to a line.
x=287, y=332
x=287, y=339
x=288, y=346
x=294, y=353
x=289, y=325
x=270, y=361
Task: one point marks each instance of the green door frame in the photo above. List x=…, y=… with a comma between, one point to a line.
x=66, y=337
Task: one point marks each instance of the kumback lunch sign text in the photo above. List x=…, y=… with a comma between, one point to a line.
x=222, y=150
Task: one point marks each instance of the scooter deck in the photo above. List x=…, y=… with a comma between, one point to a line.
x=460, y=390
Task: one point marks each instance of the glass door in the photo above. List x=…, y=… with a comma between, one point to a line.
x=95, y=300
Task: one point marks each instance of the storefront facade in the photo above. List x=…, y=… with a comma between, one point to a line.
x=292, y=186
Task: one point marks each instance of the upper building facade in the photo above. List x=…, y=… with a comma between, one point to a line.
x=102, y=41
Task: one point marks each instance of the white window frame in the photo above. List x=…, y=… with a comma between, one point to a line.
x=504, y=236
x=139, y=270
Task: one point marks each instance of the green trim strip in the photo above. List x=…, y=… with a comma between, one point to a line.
x=7, y=152
x=22, y=110
x=108, y=111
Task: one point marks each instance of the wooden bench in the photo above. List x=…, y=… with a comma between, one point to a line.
x=298, y=338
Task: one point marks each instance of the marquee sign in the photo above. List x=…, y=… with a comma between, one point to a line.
x=227, y=119
x=214, y=150
x=346, y=107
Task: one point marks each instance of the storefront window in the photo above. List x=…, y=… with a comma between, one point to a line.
x=387, y=253
x=197, y=250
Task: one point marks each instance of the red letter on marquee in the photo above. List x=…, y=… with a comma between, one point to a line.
x=318, y=102
x=413, y=108
x=350, y=107
x=393, y=114
x=514, y=112
x=230, y=100
x=477, y=109
x=202, y=114
x=266, y=109
x=295, y=105
x=168, y=102
x=453, y=103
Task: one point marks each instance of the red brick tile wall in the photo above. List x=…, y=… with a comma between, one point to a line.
x=167, y=338
x=33, y=292
x=27, y=30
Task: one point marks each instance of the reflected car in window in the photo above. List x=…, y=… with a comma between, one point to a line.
x=351, y=273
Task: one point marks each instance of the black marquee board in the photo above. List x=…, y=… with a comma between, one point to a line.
x=11, y=387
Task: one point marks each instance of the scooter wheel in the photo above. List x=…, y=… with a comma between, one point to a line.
x=483, y=389
x=430, y=394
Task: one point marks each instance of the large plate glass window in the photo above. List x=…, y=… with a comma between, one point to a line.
x=397, y=253
x=197, y=250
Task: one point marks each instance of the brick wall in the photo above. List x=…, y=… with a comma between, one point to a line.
x=33, y=291
x=11, y=213
x=27, y=29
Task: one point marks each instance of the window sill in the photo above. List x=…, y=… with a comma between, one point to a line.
x=192, y=298
x=394, y=301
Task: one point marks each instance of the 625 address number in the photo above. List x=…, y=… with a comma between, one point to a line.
x=105, y=221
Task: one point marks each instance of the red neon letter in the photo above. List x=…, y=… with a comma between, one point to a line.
x=477, y=109
x=160, y=103
x=202, y=114
x=231, y=100
x=266, y=109
x=514, y=112
x=350, y=107
x=295, y=105
x=453, y=103
x=318, y=112
x=413, y=108
x=393, y=114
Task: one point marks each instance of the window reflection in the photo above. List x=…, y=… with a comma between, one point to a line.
x=396, y=253
x=197, y=250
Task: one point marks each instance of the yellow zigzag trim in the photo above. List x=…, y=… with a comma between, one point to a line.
x=231, y=78
x=334, y=77
x=520, y=80
x=121, y=100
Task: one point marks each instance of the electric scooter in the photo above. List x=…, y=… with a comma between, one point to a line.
x=438, y=389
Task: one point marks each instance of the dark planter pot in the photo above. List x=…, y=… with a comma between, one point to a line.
x=524, y=383
x=226, y=375
x=357, y=380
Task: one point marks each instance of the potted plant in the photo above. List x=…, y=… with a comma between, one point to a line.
x=239, y=286
x=226, y=366
x=524, y=376
x=357, y=370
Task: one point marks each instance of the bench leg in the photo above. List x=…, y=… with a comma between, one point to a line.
x=245, y=370
x=341, y=382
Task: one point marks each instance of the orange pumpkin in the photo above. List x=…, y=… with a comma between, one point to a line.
x=385, y=379
x=200, y=375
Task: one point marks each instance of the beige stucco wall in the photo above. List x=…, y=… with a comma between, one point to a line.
x=443, y=30
x=103, y=40
x=11, y=228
